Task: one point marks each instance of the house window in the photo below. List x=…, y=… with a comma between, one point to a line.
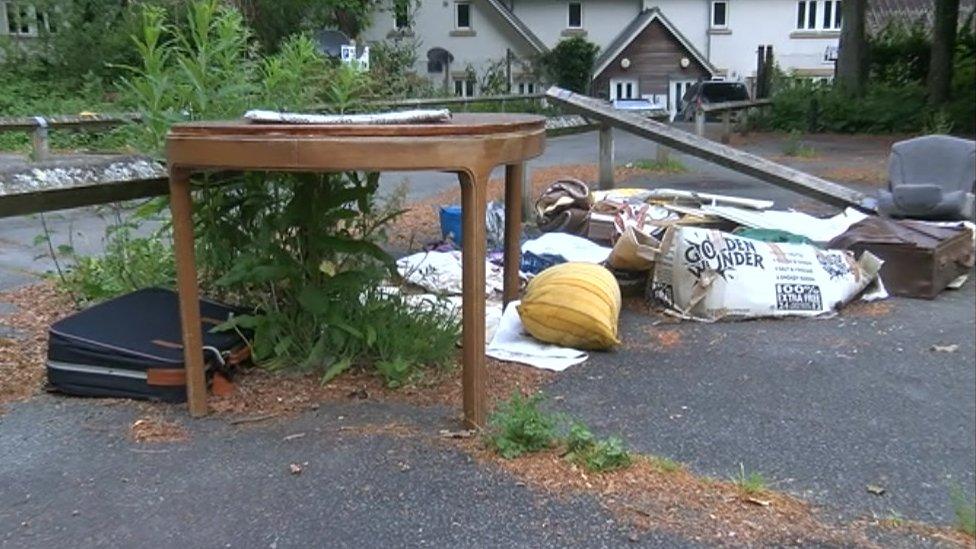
x=831, y=15
x=464, y=87
x=526, y=88
x=401, y=15
x=623, y=89
x=720, y=14
x=807, y=15
x=462, y=16
x=21, y=19
x=575, y=15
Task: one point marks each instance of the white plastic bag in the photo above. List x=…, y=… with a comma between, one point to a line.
x=710, y=275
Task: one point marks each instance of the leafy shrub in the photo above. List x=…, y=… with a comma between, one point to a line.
x=569, y=63
x=302, y=249
x=597, y=456
x=894, y=100
x=519, y=427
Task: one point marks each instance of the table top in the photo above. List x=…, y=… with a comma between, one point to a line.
x=460, y=124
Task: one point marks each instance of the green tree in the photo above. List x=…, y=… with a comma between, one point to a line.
x=570, y=63
x=853, y=55
x=943, y=45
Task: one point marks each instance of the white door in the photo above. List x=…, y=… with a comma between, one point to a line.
x=676, y=90
x=623, y=88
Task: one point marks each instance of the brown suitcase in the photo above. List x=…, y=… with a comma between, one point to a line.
x=920, y=259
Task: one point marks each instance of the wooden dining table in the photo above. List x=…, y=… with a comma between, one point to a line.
x=470, y=145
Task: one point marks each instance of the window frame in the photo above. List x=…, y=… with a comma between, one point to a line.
x=397, y=7
x=711, y=19
x=457, y=16
x=810, y=18
x=16, y=13
x=569, y=15
x=467, y=87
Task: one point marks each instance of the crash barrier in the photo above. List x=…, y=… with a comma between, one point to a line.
x=726, y=109
x=723, y=155
x=38, y=127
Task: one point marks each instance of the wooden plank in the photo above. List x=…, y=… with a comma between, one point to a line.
x=70, y=182
x=83, y=195
x=723, y=155
x=606, y=157
x=61, y=121
x=735, y=105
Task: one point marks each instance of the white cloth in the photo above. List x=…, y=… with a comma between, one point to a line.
x=512, y=344
x=440, y=272
x=572, y=248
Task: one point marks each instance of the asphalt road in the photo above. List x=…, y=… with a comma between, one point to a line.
x=70, y=477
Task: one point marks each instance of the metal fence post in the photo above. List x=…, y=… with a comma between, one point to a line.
x=40, y=149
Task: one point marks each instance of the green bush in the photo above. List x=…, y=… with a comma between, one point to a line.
x=570, y=63
x=597, y=456
x=519, y=427
x=895, y=98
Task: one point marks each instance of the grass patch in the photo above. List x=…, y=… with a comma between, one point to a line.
x=519, y=427
x=668, y=165
x=665, y=465
x=751, y=483
x=597, y=456
x=794, y=147
x=964, y=509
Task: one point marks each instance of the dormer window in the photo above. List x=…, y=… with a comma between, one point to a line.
x=574, y=17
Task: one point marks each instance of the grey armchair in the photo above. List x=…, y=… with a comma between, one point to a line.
x=930, y=177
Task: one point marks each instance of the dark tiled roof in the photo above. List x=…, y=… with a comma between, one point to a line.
x=881, y=12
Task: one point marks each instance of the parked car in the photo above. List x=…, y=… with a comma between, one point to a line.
x=710, y=91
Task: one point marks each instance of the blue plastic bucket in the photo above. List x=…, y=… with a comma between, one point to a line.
x=451, y=223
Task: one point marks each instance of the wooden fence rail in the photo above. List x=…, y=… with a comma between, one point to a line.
x=726, y=108
x=725, y=156
x=38, y=127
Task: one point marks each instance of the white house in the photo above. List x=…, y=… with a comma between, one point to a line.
x=647, y=47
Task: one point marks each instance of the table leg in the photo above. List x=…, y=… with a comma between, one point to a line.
x=474, y=188
x=181, y=206
x=514, y=178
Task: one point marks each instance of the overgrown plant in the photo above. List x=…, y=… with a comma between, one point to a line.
x=518, y=426
x=597, y=456
x=302, y=249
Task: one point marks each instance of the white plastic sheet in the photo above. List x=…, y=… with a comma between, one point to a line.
x=512, y=344
x=815, y=228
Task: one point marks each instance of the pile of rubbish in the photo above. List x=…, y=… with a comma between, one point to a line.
x=697, y=256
